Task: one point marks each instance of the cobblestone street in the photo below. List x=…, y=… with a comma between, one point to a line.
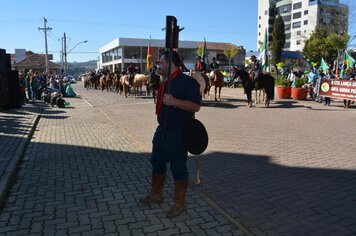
x=285, y=170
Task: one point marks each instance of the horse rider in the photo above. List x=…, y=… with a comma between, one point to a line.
x=255, y=67
x=131, y=70
x=200, y=65
x=182, y=66
x=214, y=65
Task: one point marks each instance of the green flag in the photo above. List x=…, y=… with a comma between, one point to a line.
x=204, y=51
x=350, y=62
x=323, y=65
x=263, y=55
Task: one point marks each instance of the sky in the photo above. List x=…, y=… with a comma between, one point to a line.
x=101, y=21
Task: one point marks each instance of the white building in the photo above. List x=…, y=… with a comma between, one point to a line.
x=119, y=53
x=301, y=17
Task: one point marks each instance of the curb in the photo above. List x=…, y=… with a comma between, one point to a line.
x=9, y=176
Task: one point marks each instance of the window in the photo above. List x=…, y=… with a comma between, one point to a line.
x=287, y=45
x=221, y=57
x=299, y=32
x=297, y=15
x=297, y=5
x=288, y=36
x=259, y=34
x=298, y=42
x=306, y=12
x=305, y=22
x=286, y=18
x=259, y=25
x=132, y=52
x=284, y=9
x=296, y=25
x=259, y=17
x=266, y=12
x=287, y=27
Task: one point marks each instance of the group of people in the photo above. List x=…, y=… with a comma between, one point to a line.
x=40, y=86
x=314, y=76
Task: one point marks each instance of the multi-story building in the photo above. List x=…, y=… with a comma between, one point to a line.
x=119, y=53
x=301, y=17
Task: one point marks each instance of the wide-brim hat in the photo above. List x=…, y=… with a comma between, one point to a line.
x=195, y=137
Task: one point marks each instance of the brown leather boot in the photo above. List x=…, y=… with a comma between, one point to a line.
x=180, y=188
x=156, y=194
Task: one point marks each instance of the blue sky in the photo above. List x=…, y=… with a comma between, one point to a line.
x=101, y=21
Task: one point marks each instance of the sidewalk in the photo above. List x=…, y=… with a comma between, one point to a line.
x=16, y=129
x=82, y=175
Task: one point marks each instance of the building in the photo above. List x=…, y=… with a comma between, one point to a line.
x=24, y=62
x=119, y=53
x=301, y=17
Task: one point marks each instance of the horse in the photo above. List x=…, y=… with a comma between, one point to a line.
x=124, y=81
x=117, y=84
x=138, y=81
x=200, y=79
x=154, y=83
x=258, y=92
x=217, y=79
x=264, y=81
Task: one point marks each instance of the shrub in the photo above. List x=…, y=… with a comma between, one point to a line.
x=282, y=81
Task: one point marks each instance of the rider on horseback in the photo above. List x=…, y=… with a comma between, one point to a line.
x=131, y=70
x=200, y=65
x=255, y=67
x=214, y=65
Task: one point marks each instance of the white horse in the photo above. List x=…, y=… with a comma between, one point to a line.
x=201, y=81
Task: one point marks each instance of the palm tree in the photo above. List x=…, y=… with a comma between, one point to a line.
x=230, y=53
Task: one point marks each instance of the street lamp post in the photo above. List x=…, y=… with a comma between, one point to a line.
x=66, y=54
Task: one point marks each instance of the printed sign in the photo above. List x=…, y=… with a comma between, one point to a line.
x=335, y=88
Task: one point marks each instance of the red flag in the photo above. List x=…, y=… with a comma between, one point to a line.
x=149, y=56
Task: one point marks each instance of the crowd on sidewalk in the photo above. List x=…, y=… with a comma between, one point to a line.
x=43, y=86
x=314, y=76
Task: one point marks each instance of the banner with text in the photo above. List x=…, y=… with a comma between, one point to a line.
x=335, y=88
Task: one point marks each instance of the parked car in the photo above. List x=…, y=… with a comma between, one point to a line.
x=71, y=79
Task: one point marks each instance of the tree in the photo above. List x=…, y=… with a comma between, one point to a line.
x=278, y=39
x=199, y=50
x=230, y=53
x=321, y=44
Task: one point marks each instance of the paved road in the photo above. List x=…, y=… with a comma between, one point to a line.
x=286, y=170
x=82, y=174
x=289, y=169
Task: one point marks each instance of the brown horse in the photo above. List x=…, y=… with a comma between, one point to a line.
x=217, y=79
x=105, y=82
x=124, y=81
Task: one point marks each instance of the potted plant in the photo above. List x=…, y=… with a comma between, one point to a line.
x=299, y=92
x=283, y=87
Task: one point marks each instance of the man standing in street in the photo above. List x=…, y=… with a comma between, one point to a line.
x=173, y=109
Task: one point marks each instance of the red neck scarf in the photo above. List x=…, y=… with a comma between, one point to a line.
x=162, y=90
x=200, y=66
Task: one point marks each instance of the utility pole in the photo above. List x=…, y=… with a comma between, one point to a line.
x=62, y=56
x=65, y=55
x=45, y=29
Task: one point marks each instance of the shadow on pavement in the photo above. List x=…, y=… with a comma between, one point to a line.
x=98, y=188
x=218, y=104
x=66, y=183
x=263, y=195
